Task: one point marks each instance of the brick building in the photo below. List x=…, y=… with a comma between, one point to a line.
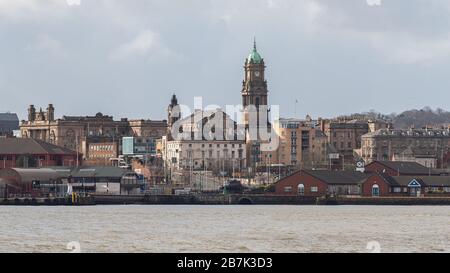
x=384, y=185
x=101, y=153
x=344, y=136
x=301, y=143
x=320, y=182
x=29, y=153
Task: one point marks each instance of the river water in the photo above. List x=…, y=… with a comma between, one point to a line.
x=225, y=229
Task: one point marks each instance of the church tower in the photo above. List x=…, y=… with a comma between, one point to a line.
x=254, y=86
x=173, y=115
x=254, y=97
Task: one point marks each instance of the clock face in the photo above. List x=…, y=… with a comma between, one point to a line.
x=257, y=73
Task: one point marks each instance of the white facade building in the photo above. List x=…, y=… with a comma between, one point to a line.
x=219, y=149
x=205, y=154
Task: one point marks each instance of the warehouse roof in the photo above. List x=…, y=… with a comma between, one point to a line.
x=103, y=171
x=30, y=146
x=405, y=168
x=337, y=177
x=424, y=181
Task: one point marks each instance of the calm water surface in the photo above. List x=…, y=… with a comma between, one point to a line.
x=225, y=228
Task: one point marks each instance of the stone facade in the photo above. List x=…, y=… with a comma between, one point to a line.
x=255, y=98
x=148, y=128
x=389, y=144
x=254, y=86
x=206, y=155
x=76, y=132
x=193, y=150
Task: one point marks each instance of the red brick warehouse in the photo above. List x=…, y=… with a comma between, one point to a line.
x=32, y=153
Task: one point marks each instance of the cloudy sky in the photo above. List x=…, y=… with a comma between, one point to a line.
x=126, y=57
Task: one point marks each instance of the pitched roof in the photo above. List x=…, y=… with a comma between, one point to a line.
x=195, y=123
x=406, y=168
x=99, y=171
x=426, y=181
x=54, y=173
x=338, y=177
x=30, y=146
x=199, y=115
x=43, y=174
x=8, y=117
x=8, y=122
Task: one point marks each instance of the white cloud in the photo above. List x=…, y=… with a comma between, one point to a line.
x=11, y=6
x=146, y=43
x=398, y=36
x=418, y=34
x=411, y=49
x=395, y=34
x=46, y=44
x=19, y=9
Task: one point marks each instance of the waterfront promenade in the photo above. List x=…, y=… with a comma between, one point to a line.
x=218, y=199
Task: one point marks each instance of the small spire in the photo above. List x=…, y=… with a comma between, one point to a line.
x=254, y=43
x=174, y=100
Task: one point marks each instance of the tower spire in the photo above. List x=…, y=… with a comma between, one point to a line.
x=254, y=43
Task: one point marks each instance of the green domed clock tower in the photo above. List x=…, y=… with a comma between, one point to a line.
x=254, y=87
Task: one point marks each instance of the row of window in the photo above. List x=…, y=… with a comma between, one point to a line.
x=225, y=154
x=349, y=135
x=101, y=155
x=407, y=142
x=427, y=189
x=342, y=145
x=301, y=189
x=218, y=145
x=101, y=148
x=204, y=163
x=209, y=145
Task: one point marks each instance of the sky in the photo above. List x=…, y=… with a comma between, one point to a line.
x=127, y=58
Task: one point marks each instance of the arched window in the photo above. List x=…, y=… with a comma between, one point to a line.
x=52, y=137
x=70, y=139
x=301, y=189
x=375, y=190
